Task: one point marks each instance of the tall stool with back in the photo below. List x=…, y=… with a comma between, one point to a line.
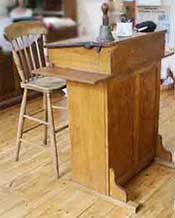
x=28, y=40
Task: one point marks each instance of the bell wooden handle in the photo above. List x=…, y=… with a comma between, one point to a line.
x=105, y=9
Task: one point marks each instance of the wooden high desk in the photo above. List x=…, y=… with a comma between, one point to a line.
x=113, y=107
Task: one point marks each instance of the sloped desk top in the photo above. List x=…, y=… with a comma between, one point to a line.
x=83, y=40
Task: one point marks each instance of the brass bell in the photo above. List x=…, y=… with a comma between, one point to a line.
x=105, y=29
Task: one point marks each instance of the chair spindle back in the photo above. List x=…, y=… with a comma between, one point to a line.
x=28, y=40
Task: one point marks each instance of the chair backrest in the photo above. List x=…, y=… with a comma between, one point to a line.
x=28, y=40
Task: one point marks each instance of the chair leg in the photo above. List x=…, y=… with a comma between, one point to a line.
x=52, y=136
x=21, y=124
x=46, y=118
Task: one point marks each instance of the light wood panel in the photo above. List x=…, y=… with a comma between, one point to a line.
x=84, y=117
x=121, y=120
x=82, y=59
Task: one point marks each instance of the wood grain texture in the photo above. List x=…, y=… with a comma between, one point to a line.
x=148, y=118
x=136, y=111
x=121, y=128
x=116, y=191
x=113, y=56
x=29, y=189
x=82, y=59
x=127, y=128
x=73, y=75
x=87, y=111
x=135, y=53
x=161, y=152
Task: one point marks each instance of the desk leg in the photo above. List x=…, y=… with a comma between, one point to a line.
x=161, y=152
x=117, y=191
x=163, y=156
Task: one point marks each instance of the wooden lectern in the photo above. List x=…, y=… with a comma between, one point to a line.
x=113, y=107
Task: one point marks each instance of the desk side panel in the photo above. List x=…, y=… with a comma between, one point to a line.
x=133, y=122
x=87, y=118
x=148, y=115
x=121, y=123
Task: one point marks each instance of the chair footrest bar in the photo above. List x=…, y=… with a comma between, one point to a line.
x=36, y=120
x=59, y=129
x=58, y=107
x=31, y=128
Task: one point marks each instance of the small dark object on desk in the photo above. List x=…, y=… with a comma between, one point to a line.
x=146, y=27
x=105, y=34
x=25, y=19
x=88, y=45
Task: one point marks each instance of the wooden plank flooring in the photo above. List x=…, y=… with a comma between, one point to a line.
x=28, y=188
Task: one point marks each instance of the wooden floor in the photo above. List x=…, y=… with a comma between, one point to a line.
x=28, y=188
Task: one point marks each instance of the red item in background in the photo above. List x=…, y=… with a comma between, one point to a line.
x=50, y=26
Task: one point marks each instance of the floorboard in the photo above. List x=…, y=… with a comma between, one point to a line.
x=28, y=188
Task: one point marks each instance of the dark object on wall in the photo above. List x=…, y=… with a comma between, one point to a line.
x=65, y=9
x=53, y=5
x=30, y=3
x=50, y=5
x=145, y=27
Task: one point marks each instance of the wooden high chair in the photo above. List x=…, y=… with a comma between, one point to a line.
x=28, y=40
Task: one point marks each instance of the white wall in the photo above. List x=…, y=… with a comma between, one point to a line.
x=171, y=4
x=3, y=5
x=90, y=16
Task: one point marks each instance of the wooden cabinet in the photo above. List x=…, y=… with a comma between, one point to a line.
x=70, y=11
x=53, y=5
x=9, y=81
x=60, y=8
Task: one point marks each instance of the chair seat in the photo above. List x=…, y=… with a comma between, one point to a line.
x=45, y=84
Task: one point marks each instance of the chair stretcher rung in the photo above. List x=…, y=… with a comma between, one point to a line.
x=59, y=129
x=36, y=120
x=58, y=107
x=31, y=128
